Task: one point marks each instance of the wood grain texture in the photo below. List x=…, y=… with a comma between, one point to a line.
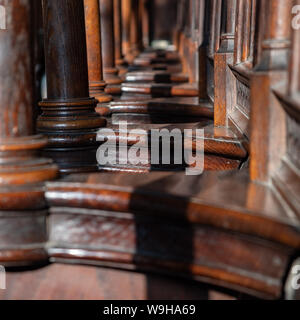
x=108, y=42
x=94, y=51
x=131, y=209
x=69, y=119
x=22, y=170
x=103, y=284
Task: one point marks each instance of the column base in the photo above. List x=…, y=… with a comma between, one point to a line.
x=19, y=164
x=111, y=76
x=71, y=127
x=97, y=91
x=23, y=214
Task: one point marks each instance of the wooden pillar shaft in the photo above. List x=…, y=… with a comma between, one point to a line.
x=228, y=25
x=274, y=34
x=94, y=51
x=118, y=32
x=69, y=118
x=268, y=122
x=108, y=46
x=18, y=145
x=215, y=29
x=23, y=206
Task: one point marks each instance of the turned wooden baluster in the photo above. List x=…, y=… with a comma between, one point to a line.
x=120, y=61
x=135, y=28
x=108, y=43
x=126, y=18
x=267, y=141
x=22, y=172
x=69, y=118
x=145, y=16
x=94, y=51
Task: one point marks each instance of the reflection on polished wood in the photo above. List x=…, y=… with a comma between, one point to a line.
x=149, y=231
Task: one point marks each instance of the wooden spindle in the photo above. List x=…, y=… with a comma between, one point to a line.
x=118, y=33
x=145, y=7
x=69, y=118
x=94, y=51
x=108, y=46
x=126, y=18
x=134, y=28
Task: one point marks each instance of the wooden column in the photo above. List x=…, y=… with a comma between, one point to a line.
x=245, y=31
x=108, y=42
x=274, y=35
x=228, y=26
x=22, y=171
x=268, y=125
x=69, y=118
x=134, y=28
x=126, y=18
x=223, y=57
x=120, y=62
x=215, y=28
x=145, y=16
x=94, y=51
x=18, y=144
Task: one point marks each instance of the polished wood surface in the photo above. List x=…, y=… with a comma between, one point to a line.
x=108, y=44
x=228, y=67
x=23, y=208
x=69, y=119
x=104, y=284
x=94, y=51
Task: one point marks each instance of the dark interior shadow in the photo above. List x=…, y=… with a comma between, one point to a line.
x=165, y=240
x=163, y=245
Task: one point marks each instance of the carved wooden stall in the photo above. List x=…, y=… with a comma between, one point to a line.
x=231, y=68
